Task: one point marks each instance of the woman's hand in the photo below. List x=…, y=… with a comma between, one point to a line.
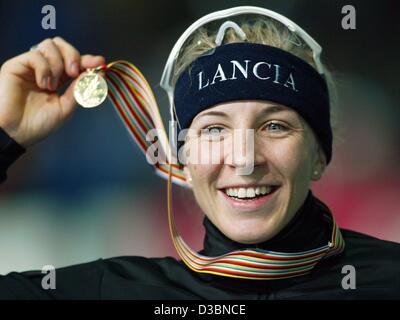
x=30, y=107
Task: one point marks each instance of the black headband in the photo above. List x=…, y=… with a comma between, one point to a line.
x=249, y=71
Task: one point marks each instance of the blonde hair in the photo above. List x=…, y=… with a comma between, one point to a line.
x=261, y=30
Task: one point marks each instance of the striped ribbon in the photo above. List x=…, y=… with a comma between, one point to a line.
x=134, y=101
x=136, y=106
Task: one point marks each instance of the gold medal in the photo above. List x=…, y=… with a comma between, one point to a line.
x=90, y=89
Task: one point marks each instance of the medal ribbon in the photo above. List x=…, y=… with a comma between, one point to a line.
x=136, y=106
x=134, y=101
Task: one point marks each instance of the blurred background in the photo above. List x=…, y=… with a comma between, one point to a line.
x=87, y=192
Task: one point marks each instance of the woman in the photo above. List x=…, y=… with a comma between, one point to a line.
x=267, y=236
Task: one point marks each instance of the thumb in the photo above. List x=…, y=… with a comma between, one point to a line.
x=67, y=101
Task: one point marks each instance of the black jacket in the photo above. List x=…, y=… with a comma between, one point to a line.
x=376, y=263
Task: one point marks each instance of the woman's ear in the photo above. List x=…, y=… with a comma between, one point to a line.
x=188, y=176
x=319, y=164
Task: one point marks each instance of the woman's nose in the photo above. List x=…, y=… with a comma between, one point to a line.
x=245, y=152
x=240, y=153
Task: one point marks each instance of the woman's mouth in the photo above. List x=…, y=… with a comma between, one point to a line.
x=249, y=198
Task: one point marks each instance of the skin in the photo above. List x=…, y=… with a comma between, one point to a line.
x=286, y=153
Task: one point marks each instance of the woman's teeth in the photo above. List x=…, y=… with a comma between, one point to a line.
x=243, y=193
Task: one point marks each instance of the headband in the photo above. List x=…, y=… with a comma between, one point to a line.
x=250, y=71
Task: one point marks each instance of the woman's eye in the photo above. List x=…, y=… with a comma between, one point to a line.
x=276, y=127
x=215, y=130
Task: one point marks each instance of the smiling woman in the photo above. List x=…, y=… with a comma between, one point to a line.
x=237, y=71
x=254, y=208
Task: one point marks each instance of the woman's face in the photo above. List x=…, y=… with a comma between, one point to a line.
x=252, y=208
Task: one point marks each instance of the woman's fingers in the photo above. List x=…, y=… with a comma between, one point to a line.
x=71, y=57
x=40, y=65
x=91, y=61
x=28, y=63
x=51, y=52
x=87, y=61
x=65, y=60
x=67, y=101
x=53, y=62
